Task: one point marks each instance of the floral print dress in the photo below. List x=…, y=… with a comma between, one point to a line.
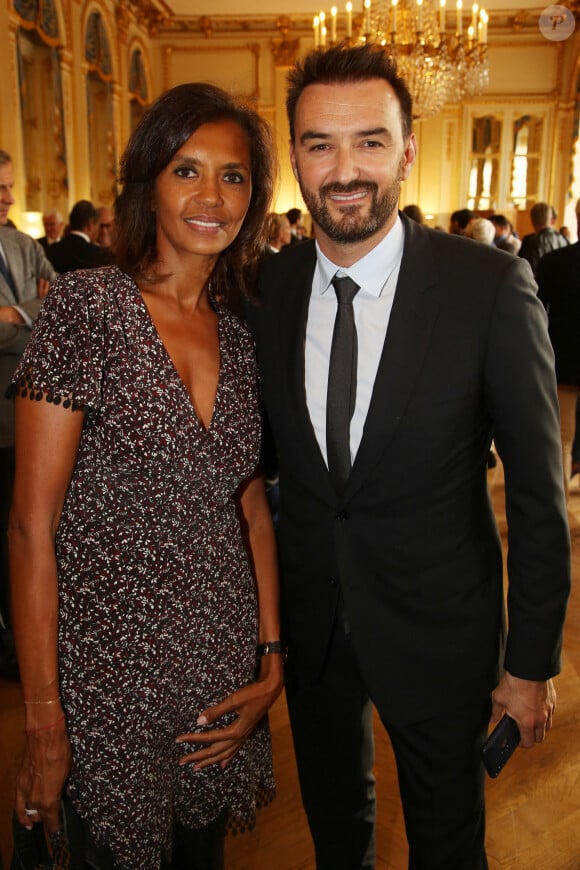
x=157, y=602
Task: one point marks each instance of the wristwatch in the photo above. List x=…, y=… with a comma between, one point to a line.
x=271, y=647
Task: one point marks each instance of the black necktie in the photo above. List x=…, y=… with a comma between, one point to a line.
x=5, y=271
x=341, y=396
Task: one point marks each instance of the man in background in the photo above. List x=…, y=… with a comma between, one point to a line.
x=459, y=221
x=294, y=216
x=6, y=186
x=78, y=249
x=106, y=228
x=53, y=228
x=544, y=238
x=558, y=278
x=504, y=238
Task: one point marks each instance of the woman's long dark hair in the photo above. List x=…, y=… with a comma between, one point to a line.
x=165, y=127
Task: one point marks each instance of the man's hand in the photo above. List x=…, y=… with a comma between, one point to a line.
x=9, y=314
x=530, y=703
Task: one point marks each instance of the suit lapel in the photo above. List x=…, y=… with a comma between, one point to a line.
x=413, y=316
x=292, y=332
x=14, y=260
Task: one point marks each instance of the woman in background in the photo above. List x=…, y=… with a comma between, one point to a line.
x=142, y=551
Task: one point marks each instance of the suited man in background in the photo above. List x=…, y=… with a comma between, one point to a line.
x=25, y=274
x=558, y=280
x=391, y=562
x=53, y=228
x=6, y=187
x=545, y=237
x=294, y=216
x=78, y=249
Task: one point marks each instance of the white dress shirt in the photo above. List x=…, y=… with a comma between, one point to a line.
x=376, y=274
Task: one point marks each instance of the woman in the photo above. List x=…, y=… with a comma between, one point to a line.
x=278, y=233
x=142, y=551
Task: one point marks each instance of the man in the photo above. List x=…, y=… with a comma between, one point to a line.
x=459, y=221
x=25, y=274
x=544, y=238
x=78, y=250
x=392, y=569
x=53, y=227
x=558, y=278
x=294, y=216
x=106, y=227
x=6, y=186
x=414, y=212
x=504, y=238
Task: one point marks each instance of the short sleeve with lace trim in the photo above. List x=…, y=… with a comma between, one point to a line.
x=64, y=358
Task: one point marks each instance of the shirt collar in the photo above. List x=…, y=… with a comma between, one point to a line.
x=81, y=234
x=372, y=270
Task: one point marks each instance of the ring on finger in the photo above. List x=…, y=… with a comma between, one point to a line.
x=30, y=812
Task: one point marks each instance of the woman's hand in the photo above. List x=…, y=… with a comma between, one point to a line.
x=43, y=773
x=249, y=704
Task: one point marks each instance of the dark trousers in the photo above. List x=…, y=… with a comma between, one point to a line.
x=441, y=776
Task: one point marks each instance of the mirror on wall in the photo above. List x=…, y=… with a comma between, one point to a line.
x=138, y=89
x=103, y=155
x=485, y=159
x=525, y=160
x=43, y=138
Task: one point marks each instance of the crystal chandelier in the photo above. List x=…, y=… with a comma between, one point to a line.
x=442, y=61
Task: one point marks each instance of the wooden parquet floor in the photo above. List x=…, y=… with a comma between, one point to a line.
x=533, y=807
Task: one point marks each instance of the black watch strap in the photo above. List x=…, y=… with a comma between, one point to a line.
x=272, y=647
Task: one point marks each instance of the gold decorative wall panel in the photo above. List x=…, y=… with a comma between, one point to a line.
x=232, y=67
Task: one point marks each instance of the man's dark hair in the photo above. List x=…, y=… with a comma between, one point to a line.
x=414, y=212
x=341, y=64
x=162, y=131
x=294, y=215
x=500, y=220
x=540, y=214
x=462, y=217
x=82, y=213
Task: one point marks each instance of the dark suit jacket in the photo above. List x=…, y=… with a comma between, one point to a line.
x=536, y=245
x=413, y=542
x=27, y=264
x=559, y=289
x=74, y=252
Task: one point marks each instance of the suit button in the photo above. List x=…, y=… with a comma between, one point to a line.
x=343, y=515
x=332, y=582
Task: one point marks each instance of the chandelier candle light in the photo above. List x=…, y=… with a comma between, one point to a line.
x=439, y=66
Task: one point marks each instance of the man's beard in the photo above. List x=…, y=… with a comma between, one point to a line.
x=352, y=226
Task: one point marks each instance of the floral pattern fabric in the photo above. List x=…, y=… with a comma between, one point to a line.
x=157, y=602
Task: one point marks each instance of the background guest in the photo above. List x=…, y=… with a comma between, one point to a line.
x=459, y=220
x=53, y=228
x=504, y=237
x=415, y=213
x=558, y=280
x=278, y=233
x=78, y=249
x=294, y=216
x=480, y=230
x=544, y=238
x=106, y=227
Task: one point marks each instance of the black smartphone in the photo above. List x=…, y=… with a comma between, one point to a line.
x=500, y=744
